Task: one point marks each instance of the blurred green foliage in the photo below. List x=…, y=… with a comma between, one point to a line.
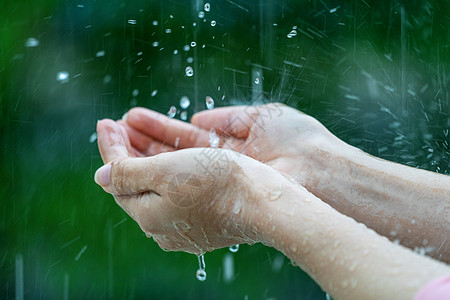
x=375, y=72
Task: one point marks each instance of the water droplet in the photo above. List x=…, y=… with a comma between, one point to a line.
x=62, y=77
x=186, y=48
x=132, y=22
x=292, y=33
x=333, y=10
x=153, y=94
x=201, y=14
x=213, y=23
x=207, y=7
x=107, y=79
x=155, y=23
x=168, y=30
x=256, y=80
x=190, y=60
x=193, y=44
x=155, y=44
x=234, y=248
x=201, y=275
x=135, y=93
x=100, y=53
x=172, y=112
x=184, y=115
x=185, y=102
x=31, y=42
x=213, y=138
x=277, y=263
x=189, y=71
x=327, y=296
x=93, y=138
x=175, y=51
x=209, y=102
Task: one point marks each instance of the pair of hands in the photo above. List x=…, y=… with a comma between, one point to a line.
x=199, y=199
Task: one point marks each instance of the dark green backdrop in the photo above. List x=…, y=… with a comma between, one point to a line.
x=375, y=72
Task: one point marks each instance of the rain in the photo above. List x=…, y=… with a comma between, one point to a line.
x=375, y=73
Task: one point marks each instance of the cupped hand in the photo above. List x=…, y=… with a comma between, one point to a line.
x=290, y=141
x=193, y=200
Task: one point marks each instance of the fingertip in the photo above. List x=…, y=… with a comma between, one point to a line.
x=103, y=175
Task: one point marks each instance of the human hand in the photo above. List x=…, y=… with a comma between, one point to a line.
x=192, y=200
x=291, y=142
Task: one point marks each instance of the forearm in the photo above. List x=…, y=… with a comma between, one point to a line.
x=346, y=258
x=400, y=202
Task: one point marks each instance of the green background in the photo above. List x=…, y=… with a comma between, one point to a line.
x=376, y=73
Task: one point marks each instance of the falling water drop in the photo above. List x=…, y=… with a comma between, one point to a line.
x=172, y=112
x=93, y=138
x=201, y=14
x=189, y=71
x=209, y=102
x=234, y=248
x=184, y=115
x=155, y=44
x=213, y=23
x=135, y=93
x=31, y=42
x=193, y=44
x=292, y=34
x=155, y=23
x=207, y=7
x=201, y=273
x=190, y=60
x=153, y=94
x=62, y=77
x=185, y=102
x=256, y=80
x=132, y=22
x=186, y=48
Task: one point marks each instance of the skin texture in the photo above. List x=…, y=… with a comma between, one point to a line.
x=187, y=203
x=405, y=204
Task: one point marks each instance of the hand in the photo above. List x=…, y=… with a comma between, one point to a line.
x=275, y=134
x=192, y=200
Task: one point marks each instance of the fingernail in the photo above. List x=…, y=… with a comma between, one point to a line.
x=124, y=117
x=103, y=175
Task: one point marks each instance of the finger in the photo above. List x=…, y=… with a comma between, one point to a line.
x=168, y=131
x=113, y=141
x=143, y=143
x=234, y=120
x=133, y=176
x=166, y=174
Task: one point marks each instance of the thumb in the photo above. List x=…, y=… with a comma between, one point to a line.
x=130, y=176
